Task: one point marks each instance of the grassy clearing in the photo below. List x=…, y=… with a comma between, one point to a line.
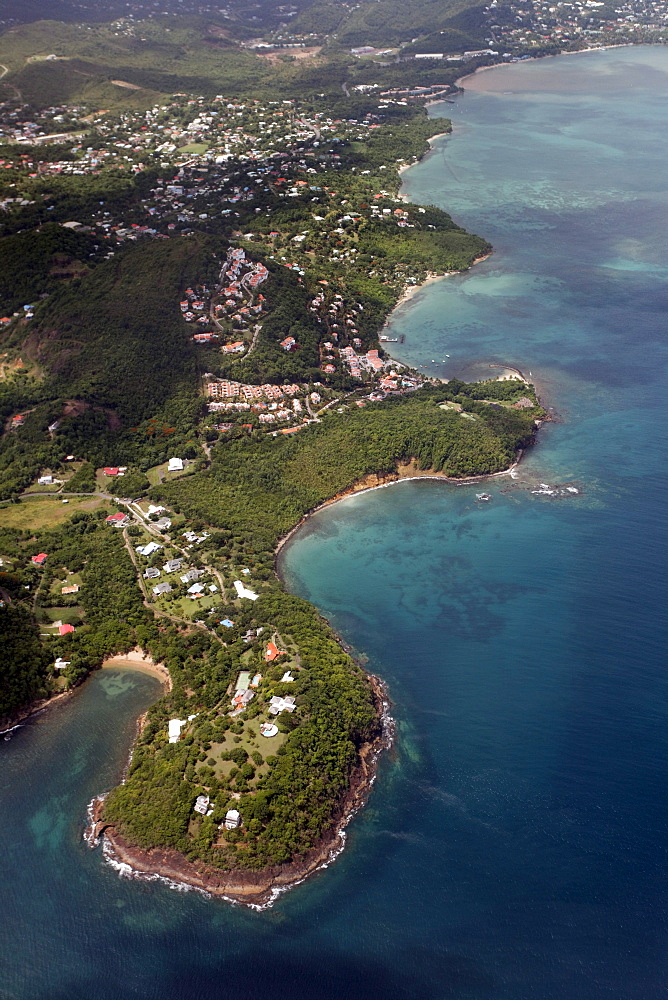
x=36, y=513
x=250, y=741
x=71, y=615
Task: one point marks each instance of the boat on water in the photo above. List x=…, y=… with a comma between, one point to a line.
x=483, y=497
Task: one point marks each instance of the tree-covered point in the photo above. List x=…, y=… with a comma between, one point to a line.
x=294, y=793
x=261, y=486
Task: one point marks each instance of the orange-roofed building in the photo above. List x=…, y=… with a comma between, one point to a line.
x=40, y=559
x=65, y=629
x=271, y=652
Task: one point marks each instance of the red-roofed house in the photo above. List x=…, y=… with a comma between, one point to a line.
x=40, y=559
x=271, y=652
x=65, y=629
x=119, y=519
x=111, y=471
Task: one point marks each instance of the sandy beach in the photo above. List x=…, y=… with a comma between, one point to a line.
x=137, y=659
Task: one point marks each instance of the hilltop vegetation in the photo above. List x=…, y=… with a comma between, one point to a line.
x=159, y=57
x=36, y=262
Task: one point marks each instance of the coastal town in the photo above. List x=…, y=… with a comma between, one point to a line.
x=201, y=362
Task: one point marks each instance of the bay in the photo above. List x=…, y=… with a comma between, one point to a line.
x=515, y=842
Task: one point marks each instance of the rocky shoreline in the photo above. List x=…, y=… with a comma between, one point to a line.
x=254, y=889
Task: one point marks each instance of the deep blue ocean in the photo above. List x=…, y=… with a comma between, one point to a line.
x=515, y=843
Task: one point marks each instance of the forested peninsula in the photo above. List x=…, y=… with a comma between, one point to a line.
x=195, y=287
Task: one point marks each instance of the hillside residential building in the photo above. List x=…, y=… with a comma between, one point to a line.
x=278, y=705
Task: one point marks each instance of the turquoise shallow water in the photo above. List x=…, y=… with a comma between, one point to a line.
x=515, y=843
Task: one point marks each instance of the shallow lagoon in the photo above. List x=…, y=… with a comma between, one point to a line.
x=514, y=846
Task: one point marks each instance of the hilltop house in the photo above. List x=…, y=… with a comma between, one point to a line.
x=271, y=652
x=278, y=705
x=119, y=520
x=175, y=465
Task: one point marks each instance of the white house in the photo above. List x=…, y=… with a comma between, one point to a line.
x=148, y=549
x=175, y=465
x=192, y=575
x=174, y=728
x=278, y=705
x=244, y=591
x=232, y=819
x=202, y=804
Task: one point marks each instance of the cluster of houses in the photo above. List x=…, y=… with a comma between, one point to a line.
x=192, y=576
x=24, y=123
x=358, y=363
x=239, y=279
x=224, y=389
x=234, y=299
x=193, y=305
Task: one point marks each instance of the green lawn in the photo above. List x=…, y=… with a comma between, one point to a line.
x=57, y=585
x=36, y=513
x=250, y=741
x=71, y=615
